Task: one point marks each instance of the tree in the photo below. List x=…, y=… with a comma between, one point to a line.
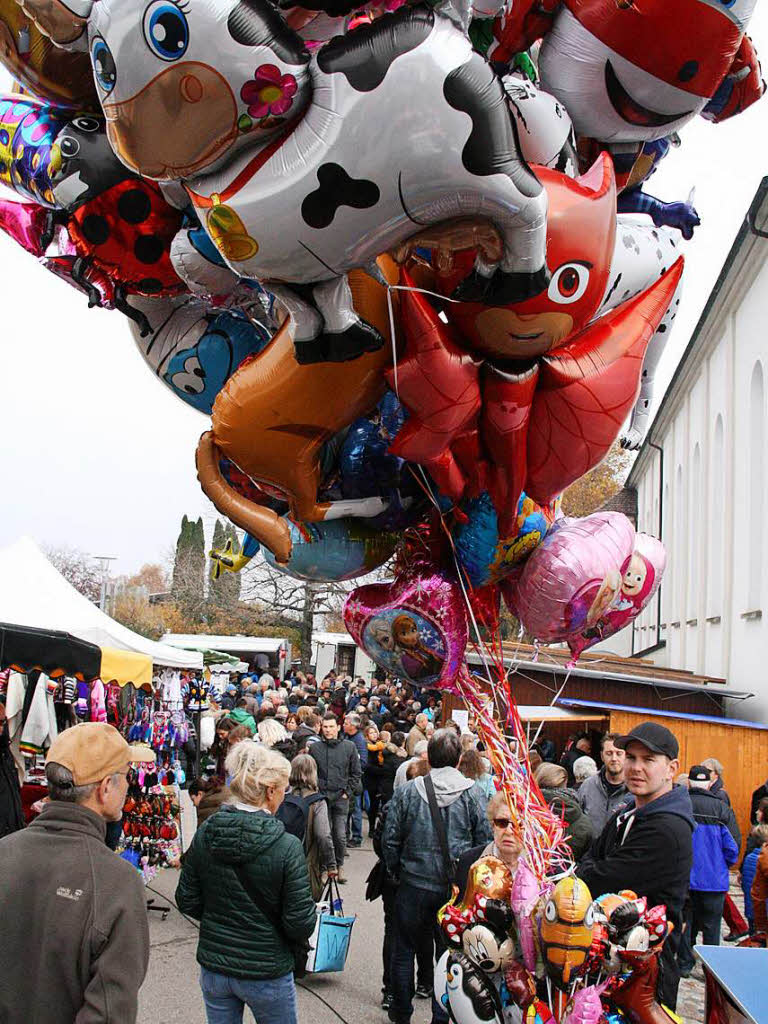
x=188, y=586
x=133, y=609
x=592, y=490
x=151, y=576
x=78, y=569
x=293, y=603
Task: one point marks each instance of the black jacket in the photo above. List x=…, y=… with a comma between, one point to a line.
x=757, y=796
x=338, y=767
x=568, y=760
x=649, y=850
x=464, y=863
x=11, y=813
x=303, y=737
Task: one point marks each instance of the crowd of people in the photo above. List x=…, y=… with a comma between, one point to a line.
x=294, y=771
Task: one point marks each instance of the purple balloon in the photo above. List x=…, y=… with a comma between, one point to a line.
x=573, y=576
x=639, y=582
x=414, y=627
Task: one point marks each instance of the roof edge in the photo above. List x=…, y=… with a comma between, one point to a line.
x=746, y=229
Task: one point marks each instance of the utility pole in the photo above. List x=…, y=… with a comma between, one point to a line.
x=102, y=562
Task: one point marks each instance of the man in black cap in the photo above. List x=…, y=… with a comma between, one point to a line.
x=647, y=844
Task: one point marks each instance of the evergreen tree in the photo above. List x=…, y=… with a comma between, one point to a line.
x=189, y=569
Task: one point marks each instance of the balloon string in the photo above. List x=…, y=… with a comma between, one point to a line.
x=392, y=332
x=554, y=701
x=542, y=834
x=393, y=339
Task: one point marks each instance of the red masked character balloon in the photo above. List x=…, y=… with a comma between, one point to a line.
x=549, y=399
x=414, y=627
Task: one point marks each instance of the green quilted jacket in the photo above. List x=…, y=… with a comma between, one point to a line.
x=235, y=937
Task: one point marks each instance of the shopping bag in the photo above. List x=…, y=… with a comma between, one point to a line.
x=329, y=942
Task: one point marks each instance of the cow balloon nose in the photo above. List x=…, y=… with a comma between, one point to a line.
x=191, y=89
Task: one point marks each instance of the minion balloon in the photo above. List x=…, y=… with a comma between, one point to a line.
x=565, y=930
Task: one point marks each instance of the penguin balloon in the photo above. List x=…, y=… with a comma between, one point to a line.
x=471, y=997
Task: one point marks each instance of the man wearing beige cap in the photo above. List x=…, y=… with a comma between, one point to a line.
x=75, y=943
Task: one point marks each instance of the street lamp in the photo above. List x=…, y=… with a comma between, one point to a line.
x=102, y=562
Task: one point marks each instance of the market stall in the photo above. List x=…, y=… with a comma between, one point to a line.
x=33, y=593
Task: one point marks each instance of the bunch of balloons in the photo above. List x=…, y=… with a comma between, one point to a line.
x=410, y=272
x=598, y=960
x=402, y=257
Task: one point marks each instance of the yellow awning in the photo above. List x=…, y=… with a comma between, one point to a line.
x=125, y=667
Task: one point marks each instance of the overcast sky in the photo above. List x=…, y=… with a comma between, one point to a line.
x=97, y=454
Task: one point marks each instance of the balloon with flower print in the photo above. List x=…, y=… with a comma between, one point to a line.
x=268, y=95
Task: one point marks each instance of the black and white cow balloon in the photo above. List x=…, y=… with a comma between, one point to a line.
x=304, y=167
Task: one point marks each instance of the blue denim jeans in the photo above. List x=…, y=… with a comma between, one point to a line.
x=271, y=1000
x=356, y=819
x=415, y=923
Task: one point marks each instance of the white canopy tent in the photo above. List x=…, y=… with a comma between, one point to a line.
x=34, y=593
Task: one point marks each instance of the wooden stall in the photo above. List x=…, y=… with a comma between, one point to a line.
x=742, y=747
x=605, y=693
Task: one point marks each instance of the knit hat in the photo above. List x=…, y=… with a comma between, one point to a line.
x=91, y=752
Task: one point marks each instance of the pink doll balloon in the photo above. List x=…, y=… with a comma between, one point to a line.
x=573, y=577
x=639, y=582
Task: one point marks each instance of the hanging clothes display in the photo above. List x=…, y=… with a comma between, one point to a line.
x=64, y=702
x=151, y=836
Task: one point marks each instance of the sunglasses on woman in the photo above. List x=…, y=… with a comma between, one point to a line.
x=502, y=823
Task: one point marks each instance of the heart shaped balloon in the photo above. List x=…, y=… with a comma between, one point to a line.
x=639, y=582
x=573, y=576
x=414, y=627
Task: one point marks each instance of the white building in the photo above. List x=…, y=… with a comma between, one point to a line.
x=700, y=483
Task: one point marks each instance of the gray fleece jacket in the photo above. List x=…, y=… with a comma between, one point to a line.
x=410, y=844
x=75, y=943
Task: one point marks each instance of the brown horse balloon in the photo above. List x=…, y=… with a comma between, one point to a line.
x=273, y=416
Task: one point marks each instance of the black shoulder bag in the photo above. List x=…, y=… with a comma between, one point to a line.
x=298, y=947
x=449, y=864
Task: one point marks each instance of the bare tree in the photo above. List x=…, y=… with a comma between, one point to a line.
x=298, y=602
x=77, y=568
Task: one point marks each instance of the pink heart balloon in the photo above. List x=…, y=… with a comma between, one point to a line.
x=639, y=582
x=572, y=576
x=414, y=627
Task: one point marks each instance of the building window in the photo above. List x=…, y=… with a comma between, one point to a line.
x=678, y=609
x=717, y=544
x=666, y=587
x=756, y=486
x=345, y=660
x=694, y=535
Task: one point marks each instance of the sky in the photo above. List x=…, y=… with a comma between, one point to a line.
x=97, y=454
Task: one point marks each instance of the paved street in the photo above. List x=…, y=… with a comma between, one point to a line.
x=171, y=993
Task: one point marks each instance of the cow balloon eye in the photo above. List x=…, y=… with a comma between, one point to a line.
x=569, y=282
x=104, y=68
x=166, y=30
